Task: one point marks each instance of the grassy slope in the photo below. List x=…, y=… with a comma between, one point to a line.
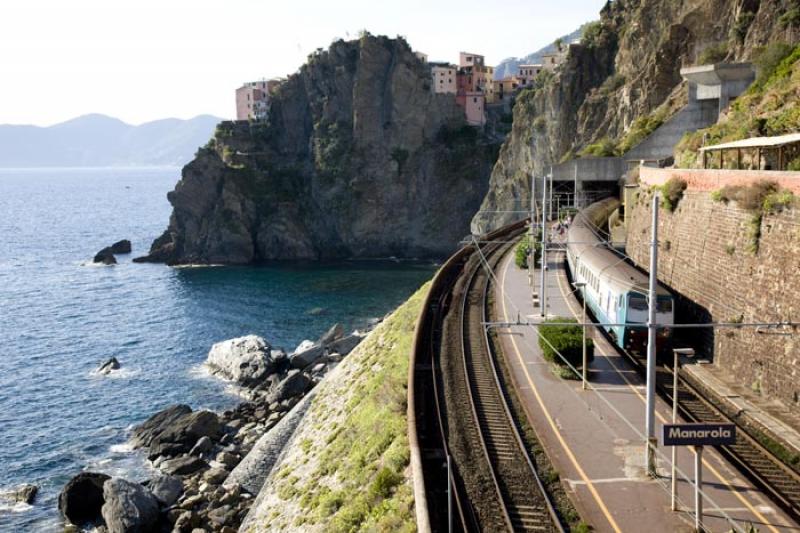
x=769, y=107
x=348, y=467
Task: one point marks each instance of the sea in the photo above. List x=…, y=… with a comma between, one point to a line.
x=61, y=317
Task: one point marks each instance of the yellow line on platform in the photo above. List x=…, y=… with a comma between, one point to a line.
x=663, y=420
x=552, y=423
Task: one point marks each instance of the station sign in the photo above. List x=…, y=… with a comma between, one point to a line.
x=699, y=434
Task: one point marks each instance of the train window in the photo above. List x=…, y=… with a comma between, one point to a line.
x=637, y=302
x=664, y=305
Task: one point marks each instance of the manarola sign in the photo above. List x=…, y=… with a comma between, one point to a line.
x=699, y=434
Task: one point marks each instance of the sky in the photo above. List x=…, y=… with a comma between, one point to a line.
x=141, y=60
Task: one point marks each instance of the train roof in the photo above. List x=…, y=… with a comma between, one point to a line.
x=587, y=243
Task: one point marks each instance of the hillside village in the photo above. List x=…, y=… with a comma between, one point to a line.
x=472, y=82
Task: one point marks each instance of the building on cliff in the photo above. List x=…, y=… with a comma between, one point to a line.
x=444, y=76
x=527, y=73
x=253, y=99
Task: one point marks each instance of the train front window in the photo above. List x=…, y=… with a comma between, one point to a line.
x=637, y=302
x=664, y=305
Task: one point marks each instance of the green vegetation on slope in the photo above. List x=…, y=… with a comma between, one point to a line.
x=358, y=471
x=768, y=107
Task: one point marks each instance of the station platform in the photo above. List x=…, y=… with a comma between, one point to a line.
x=595, y=437
x=773, y=418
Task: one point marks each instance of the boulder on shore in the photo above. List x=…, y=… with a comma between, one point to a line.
x=167, y=489
x=185, y=433
x=128, y=507
x=296, y=383
x=108, y=367
x=24, y=493
x=333, y=341
x=121, y=247
x=81, y=498
x=105, y=257
x=245, y=360
x=144, y=433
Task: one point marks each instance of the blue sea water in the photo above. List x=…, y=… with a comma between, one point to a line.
x=60, y=317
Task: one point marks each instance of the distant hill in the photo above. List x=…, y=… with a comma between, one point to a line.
x=508, y=67
x=98, y=140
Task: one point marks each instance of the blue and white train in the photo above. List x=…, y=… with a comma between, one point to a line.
x=615, y=291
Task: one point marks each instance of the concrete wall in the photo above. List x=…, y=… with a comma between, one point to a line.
x=703, y=258
x=590, y=169
x=661, y=143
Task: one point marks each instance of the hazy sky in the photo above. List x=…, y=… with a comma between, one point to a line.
x=141, y=60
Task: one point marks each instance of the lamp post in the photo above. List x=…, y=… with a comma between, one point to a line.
x=676, y=352
x=584, y=363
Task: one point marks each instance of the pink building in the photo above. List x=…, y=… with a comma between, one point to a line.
x=253, y=98
x=474, y=104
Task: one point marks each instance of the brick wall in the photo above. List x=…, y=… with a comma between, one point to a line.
x=703, y=258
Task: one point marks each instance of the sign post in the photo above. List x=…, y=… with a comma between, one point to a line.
x=698, y=435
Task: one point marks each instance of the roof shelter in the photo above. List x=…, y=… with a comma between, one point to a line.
x=781, y=150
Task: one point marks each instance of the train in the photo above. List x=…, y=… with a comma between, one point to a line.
x=615, y=291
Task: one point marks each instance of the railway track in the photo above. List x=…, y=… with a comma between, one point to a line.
x=462, y=422
x=522, y=498
x=780, y=482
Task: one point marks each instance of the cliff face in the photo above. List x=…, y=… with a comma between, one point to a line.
x=624, y=74
x=358, y=159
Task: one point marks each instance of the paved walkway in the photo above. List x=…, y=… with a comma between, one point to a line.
x=594, y=437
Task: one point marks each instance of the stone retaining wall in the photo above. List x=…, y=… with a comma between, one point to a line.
x=704, y=259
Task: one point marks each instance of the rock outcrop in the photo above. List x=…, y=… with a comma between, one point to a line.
x=105, y=257
x=22, y=494
x=121, y=247
x=619, y=83
x=359, y=158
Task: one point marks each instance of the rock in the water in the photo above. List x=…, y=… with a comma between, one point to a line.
x=184, y=433
x=166, y=489
x=183, y=465
x=105, y=257
x=109, y=366
x=144, y=433
x=245, y=360
x=82, y=497
x=24, y=494
x=128, y=507
x=121, y=247
x=295, y=384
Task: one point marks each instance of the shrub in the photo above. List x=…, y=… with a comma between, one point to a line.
x=791, y=18
x=768, y=58
x=524, y=249
x=385, y=482
x=671, y=193
x=591, y=33
x=612, y=83
x=564, y=340
x=605, y=147
x=641, y=128
x=742, y=24
x=749, y=197
x=713, y=54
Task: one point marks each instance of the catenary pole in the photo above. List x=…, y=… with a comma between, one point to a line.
x=543, y=264
x=532, y=238
x=650, y=429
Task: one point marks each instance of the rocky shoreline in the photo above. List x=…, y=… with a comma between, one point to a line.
x=210, y=467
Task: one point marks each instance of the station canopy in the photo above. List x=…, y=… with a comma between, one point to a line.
x=756, y=142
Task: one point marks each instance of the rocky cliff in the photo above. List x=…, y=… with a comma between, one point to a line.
x=358, y=159
x=622, y=82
